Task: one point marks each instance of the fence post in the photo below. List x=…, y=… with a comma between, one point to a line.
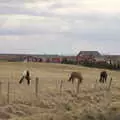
x=78, y=86
x=110, y=84
x=0, y=89
x=61, y=86
x=8, y=93
x=14, y=95
x=0, y=92
x=95, y=84
x=36, y=86
x=57, y=84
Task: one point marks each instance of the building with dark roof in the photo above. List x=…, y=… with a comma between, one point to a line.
x=89, y=53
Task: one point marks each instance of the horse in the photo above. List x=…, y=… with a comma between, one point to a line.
x=76, y=75
x=103, y=77
x=26, y=75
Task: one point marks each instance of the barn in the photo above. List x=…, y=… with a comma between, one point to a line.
x=88, y=56
x=89, y=53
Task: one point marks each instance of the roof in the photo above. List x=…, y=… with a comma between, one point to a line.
x=91, y=53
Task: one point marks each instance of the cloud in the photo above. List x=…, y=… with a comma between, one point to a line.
x=73, y=25
x=26, y=44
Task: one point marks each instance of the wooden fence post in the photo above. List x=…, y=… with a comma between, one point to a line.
x=14, y=95
x=61, y=86
x=0, y=89
x=8, y=93
x=95, y=84
x=57, y=82
x=0, y=92
x=36, y=86
x=110, y=84
x=78, y=86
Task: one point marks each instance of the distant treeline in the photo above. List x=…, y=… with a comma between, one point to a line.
x=103, y=65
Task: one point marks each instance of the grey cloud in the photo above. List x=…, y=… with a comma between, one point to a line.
x=103, y=28
x=18, y=7
x=58, y=4
x=21, y=10
x=37, y=44
x=99, y=28
x=20, y=1
x=21, y=32
x=13, y=10
x=28, y=31
x=92, y=26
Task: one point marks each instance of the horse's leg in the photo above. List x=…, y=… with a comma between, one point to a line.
x=73, y=84
x=105, y=79
x=70, y=78
x=21, y=80
x=100, y=80
x=28, y=80
x=78, y=85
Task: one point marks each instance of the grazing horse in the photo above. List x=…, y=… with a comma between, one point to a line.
x=103, y=77
x=76, y=75
x=26, y=75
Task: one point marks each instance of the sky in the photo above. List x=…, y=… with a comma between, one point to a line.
x=59, y=26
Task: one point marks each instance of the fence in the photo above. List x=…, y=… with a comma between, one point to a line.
x=12, y=92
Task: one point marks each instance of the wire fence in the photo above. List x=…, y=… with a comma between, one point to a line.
x=12, y=92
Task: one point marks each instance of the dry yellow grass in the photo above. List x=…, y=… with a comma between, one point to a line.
x=90, y=104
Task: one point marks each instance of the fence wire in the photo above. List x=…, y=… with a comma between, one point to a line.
x=13, y=92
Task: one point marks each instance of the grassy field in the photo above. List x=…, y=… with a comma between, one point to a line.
x=90, y=104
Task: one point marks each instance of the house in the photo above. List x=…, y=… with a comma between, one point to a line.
x=87, y=56
x=100, y=59
x=89, y=53
x=112, y=59
x=71, y=58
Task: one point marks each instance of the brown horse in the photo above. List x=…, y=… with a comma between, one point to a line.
x=76, y=75
x=103, y=77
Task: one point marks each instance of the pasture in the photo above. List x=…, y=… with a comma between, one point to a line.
x=92, y=103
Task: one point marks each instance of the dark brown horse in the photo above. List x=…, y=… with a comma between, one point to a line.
x=76, y=75
x=103, y=77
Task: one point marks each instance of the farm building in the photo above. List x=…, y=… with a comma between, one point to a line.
x=70, y=58
x=90, y=56
x=44, y=58
x=100, y=59
x=89, y=53
x=85, y=58
x=30, y=58
x=113, y=59
x=11, y=57
x=33, y=59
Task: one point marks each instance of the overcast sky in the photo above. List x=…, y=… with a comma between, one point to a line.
x=59, y=26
